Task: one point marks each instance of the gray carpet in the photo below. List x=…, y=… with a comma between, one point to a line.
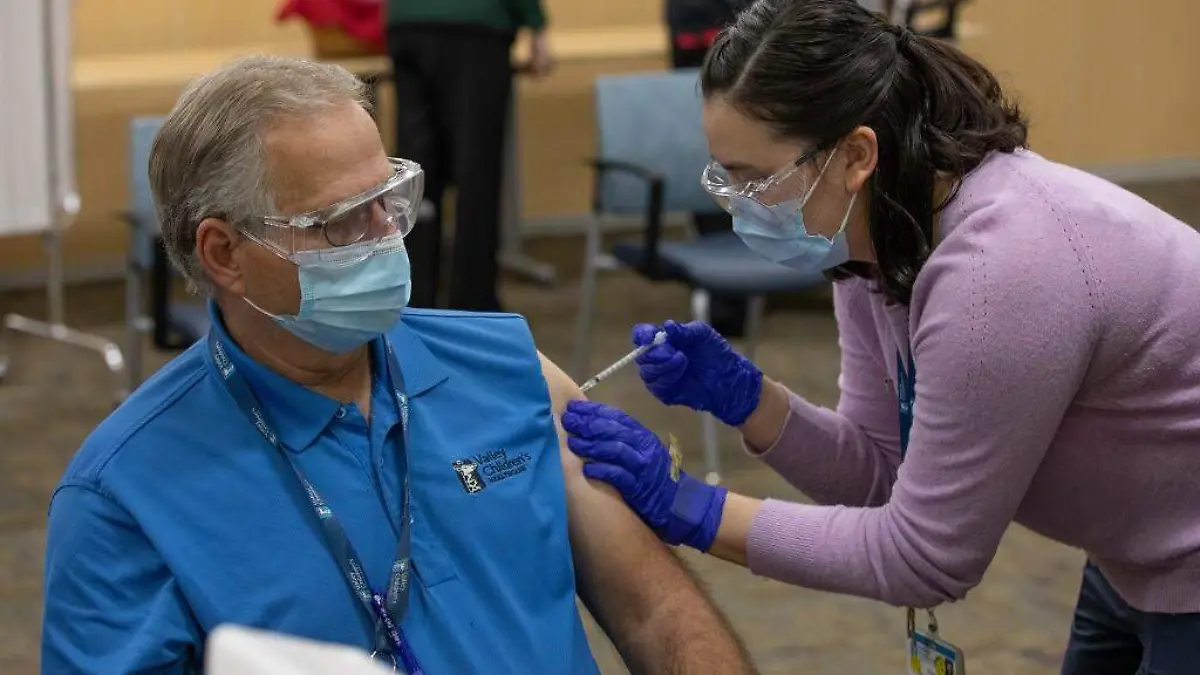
x=1015, y=622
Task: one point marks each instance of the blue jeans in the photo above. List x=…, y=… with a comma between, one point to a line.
x=1108, y=637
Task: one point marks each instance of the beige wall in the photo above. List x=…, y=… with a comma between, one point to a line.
x=1107, y=83
x=1104, y=86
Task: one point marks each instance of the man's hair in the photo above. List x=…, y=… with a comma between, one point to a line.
x=209, y=158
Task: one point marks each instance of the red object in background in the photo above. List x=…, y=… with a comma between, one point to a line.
x=359, y=19
x=692, y=41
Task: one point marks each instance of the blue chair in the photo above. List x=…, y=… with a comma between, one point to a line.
x=652, y=151
x=174, y=325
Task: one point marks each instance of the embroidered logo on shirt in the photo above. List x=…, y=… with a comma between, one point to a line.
x=468, y=475
x=475, y=473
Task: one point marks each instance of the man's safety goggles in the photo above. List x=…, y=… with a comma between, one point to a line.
x=785, y=184
x=361, y=221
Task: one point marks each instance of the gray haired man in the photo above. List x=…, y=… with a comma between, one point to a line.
x=295, y=470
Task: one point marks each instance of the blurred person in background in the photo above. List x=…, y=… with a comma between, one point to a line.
x=454, y=79
x=692, y=25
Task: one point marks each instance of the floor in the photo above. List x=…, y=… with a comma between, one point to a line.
x=1015, y=622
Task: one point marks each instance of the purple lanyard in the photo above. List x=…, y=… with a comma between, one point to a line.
x=386, y=608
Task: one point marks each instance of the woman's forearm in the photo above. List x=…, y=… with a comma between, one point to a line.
x=765, y=424
x=734, y=531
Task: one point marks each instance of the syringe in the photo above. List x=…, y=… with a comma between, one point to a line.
x=603, y=375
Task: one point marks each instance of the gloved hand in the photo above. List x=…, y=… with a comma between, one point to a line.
x=628, y=456
x=697, y=368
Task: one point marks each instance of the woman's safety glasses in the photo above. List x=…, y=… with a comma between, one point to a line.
x=352, y=228
x=784, y=185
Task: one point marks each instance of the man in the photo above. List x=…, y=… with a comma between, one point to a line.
x=453, y=74
x=319, y=468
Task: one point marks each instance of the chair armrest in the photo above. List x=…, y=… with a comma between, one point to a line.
x=620, y=166
x=655, y=188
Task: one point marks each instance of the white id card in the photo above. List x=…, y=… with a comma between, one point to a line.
x=929, y=654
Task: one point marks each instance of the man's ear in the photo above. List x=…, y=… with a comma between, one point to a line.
x=219, y=248
x=860, y=150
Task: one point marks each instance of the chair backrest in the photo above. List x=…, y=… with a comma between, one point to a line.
x=652, y=120
x=142, y=131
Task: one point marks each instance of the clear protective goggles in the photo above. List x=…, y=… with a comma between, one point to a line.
x=784, y=185
x=352, y=228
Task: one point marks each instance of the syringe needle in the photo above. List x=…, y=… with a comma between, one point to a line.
x=629, y=358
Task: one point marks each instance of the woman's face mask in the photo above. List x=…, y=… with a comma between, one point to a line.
x=776, y=230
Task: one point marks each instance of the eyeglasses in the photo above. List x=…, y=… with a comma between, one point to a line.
x=385, y=210
x=786, y=183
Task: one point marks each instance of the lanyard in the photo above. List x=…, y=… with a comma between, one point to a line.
x=386, y=608
x=906, y=394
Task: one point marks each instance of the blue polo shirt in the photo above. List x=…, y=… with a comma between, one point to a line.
x=176, y=516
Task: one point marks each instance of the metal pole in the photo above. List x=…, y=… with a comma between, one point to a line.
x=512, y=258
x=65, y=211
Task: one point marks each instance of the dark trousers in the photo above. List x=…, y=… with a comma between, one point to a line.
x=1108, y=637
x=453, y=85
x=728, y=313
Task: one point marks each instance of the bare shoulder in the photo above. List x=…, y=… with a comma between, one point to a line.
x=563, y=389
x=562, y=386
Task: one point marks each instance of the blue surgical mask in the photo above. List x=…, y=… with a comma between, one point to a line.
x=777, y=232
x=350, y=295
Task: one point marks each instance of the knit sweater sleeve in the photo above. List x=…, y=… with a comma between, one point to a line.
x=1005, y=321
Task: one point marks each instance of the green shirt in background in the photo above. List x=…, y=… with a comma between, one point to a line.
x=504, y=15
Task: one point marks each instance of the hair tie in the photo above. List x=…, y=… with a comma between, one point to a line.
x=904, y=36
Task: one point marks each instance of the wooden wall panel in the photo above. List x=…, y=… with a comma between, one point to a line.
x=1106, y=83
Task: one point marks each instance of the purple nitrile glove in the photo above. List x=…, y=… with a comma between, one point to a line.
x=628, y=456
x=697, y=368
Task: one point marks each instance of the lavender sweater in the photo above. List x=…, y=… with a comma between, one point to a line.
x=1056, y=335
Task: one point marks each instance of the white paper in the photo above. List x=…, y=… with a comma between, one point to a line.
x=235, y=650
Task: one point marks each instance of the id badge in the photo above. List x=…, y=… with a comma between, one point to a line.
x=929, y=654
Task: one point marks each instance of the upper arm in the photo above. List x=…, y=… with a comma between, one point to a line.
x=112, y=605
x=1005, y=338
x=864, y=397
x=606, y=535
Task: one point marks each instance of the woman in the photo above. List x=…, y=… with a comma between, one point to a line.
x=1024, y=336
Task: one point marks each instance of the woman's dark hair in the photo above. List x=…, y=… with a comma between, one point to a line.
x=818, y=69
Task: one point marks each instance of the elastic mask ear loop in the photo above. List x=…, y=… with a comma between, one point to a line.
x=846, y=218
x=262, y=311
x=259, y=242
x=813, y=188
